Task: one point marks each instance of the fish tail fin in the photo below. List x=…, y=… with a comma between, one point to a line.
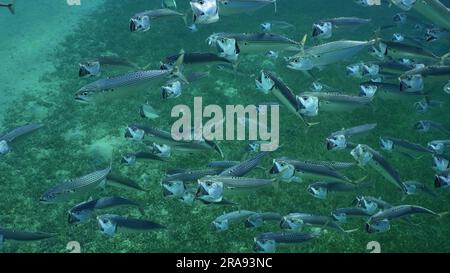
x=351, y=230
x=444, y=58
x=445, y=213
x=275, y=6
x=177, y=68
x=11, y=7
x=303, y=42
x=185, y=18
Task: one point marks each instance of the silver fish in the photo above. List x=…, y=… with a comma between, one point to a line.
x=439, y=146
x=341, y=214
x=325, y=54
x=222, y=222
x=266, y=242
x=406, y=147
x=295, y=221
x=142, y=21
x=230, y=7
x=442, y=180
x=356, y=130
x=433, y=10
x=20, y=131
x=205, y=11
x=365, y=155
x=69, y=187
x=321, y=189
x=109, y=224
x=244, y=167
x=424, y=126
x=17, y=235
x=81, y=212
x=93, y=66
x=414, y=187
x=258, y=219
x=333, y=101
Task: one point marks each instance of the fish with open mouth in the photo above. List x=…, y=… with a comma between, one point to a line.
x=447, y=88
x=17, y=235
x=268, y=81
x=415, y=187
x=113, y=85
x=204, y=11
x=432, y=10
x=222, y=222
x=9, y=6
x=428, y=71
x=333, y=101
x=257, y=219
x=252, y=42
x=424, y=126
x=308, y=170
x=190, y=175
x=399, y=50
x=365, y=155
x=412, y=84
x=426, y=104
x=439, y=146
x=296, y=221
x=342, y=214
x=139, y=132
x=8, y=137
x=142, y=21
x=325, y=54
x=81, y=212
x=320, y=190
x=131, y=158
x=267, y=242
x=380, y=222
x=441, y=163
x=110, y=223
x=371, y=204
x=93, y=66
x=324, y=27
x=339, y=140
x=269, y=26
x=405, y=147
x=70, y=187
x=231, y=7
x=442, y=180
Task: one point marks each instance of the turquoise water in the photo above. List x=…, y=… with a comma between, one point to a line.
x=40, y=57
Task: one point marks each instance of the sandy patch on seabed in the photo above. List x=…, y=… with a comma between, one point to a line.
x=27, y=38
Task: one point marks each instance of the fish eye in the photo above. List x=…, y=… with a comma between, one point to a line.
x=209, y=184
x=201, y=2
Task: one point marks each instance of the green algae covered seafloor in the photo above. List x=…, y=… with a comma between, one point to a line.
x=78, y=139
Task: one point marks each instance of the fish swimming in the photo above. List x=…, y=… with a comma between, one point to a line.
x=424, y=126
x=309, y=170
x=368, y=156
x=138, y=132
x=405, y=147
x=339, y=140
x=321, y=189
x=16, y=235
x=142, y=21
x=296, y=221
x=396, y=50
x=110, y=223
x=258, y=219
x=325, y=54
x=204, y=11
x=442, y=180
x=8, y=137
x=333, y=101
x=427, y=71
x=192, y=58
x=432, y=10
x=244, y=167
x=414, y=187
x=69, y=187
x=231, y=7
x=191, y=175
x=93, y=66
x=269, y=26
x=267, y=242
x=268, y=81
x=254, y=42
x=81, y=212
x=439, y=146
x=341, y=214
x=222, y=222
x=10, y=6
x=324, y=27
x=392, y=213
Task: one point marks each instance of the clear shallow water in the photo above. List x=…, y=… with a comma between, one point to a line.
x=78, y=139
